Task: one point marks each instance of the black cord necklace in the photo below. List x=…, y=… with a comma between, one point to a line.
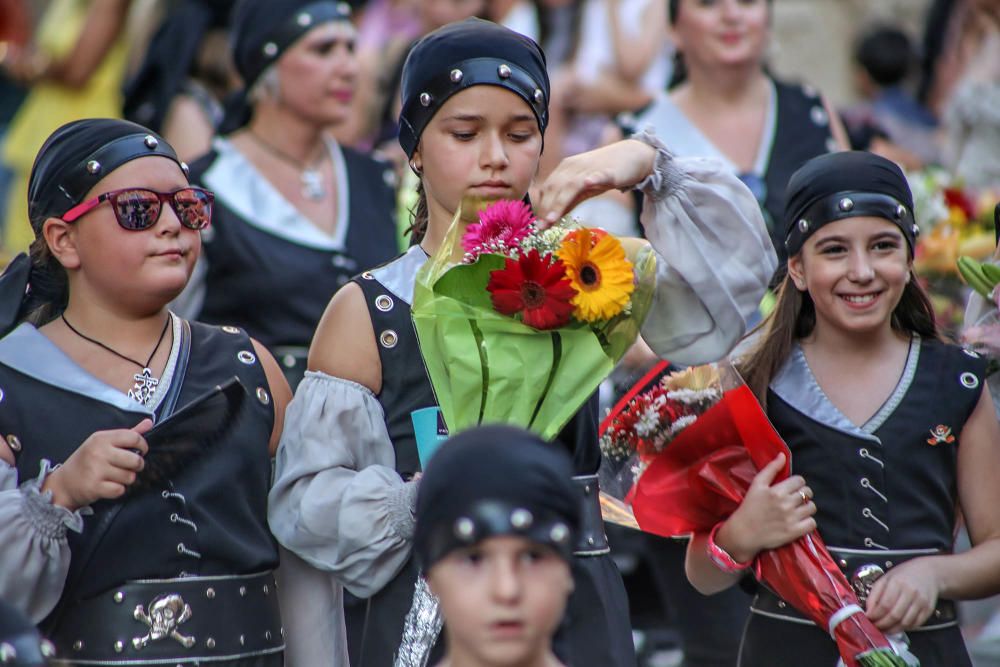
x=145, y=384
x=310, y=176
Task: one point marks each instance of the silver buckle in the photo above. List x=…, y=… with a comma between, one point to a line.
x=863, y=579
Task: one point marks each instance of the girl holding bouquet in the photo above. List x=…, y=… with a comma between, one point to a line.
x=474, y=111
x=889, y=428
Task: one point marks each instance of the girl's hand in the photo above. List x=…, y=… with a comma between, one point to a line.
x=770, y=516
x=580, y=177
x=904, y=597
x=102, y=467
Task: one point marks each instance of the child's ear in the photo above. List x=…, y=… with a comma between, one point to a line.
x=797, y=273
x=61, y=239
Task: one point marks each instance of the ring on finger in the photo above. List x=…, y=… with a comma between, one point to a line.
x=804, y=496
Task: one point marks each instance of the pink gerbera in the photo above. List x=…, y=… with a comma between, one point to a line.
x=501, y=227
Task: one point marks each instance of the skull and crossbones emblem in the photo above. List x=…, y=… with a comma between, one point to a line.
x=166, y=612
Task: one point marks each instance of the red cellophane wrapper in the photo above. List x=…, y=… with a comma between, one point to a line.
x=703, y=474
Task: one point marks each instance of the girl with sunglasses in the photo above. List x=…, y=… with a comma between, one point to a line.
x=474, y=111
x=175, y=571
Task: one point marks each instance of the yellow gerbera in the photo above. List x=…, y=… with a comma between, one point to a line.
x=599, y=272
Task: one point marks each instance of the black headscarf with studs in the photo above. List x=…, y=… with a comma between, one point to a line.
x=469, y=53
x=846, y=184
x=491, y=481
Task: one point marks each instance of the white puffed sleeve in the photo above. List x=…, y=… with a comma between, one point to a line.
x=715, y=257
x=34, y=560
x=337, y=500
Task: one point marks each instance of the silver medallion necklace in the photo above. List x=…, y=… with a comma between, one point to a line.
x=310, y=176
x=145, y=384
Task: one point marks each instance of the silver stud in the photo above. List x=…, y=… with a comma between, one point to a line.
x=119, y=646
x=388, y=339
x=78, y=645
x=243, y=591
x=969, y=380
x=1, y=395
x=263, y=396
x=94, y=167
x=14, y=443
x=559, y=533
x=586, y=489
x=456, y=76
x=916, y=230
x=267, y=635
x=843, y=562
x=803, y=225
x=344, y=8
x=243, y=640
x=521, y=519
x=270, y=49
x=846, y=204
x=210, y=593
x=230, y=329
x=539, y=96
x=210, y=642
x=590, y=541
x=425, y=99
x=465, y=529
x=150, y=142
x=819, y=116
x=383, y=303
x=246, y=357
x=266, y=589
x=118, y=597
x=900, y=211
x=937, y=613
x=503, y=71
x=48, y=649
x=7, y=653
x=304, y=19
x=782, y=604
x=888, y=564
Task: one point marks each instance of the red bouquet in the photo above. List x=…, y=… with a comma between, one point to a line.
x=686, y=451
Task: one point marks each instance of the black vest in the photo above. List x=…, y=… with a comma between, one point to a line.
x=894, y=487
x=216, y=507
x=277, y=289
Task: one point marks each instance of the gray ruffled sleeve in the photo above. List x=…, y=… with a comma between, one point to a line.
x=34, y=560
x=714, y=256
x=337, y=500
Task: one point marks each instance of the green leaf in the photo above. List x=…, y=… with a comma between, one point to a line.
x=466, y=283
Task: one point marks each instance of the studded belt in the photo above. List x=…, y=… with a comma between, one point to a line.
x=176, y=621
x=591, y=540
x=862, y=568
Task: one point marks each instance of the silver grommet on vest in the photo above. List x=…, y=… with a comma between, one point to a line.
x=246, y=357
x=230, y=329
x=969, y=380
x=14, y=442
x=388, y=339
x=367, y=275
x=383, y=303
x=263, y=396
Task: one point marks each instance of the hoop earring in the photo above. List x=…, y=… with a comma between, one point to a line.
x=417, y=169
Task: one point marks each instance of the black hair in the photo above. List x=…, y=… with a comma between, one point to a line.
x=886, y=54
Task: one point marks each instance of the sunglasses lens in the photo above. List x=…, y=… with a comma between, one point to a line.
x=193, y=207
x=137, y=209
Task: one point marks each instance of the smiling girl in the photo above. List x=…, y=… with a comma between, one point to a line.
x=180, y=572
x=889, y=428
x=474, y=113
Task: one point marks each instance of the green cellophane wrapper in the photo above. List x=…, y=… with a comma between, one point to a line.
x=488, y=368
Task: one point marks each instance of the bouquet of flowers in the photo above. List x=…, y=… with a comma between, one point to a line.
x=520, y=325
x=684, y=452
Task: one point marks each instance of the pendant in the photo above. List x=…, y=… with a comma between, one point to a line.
x=312, y=184
x=144, y=387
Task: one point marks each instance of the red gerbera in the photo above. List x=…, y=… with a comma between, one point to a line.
x=534, y=286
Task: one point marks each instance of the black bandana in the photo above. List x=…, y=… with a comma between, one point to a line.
x=463, y=54
x=842, y=185
x=78, y=155
x=495, y=480
x=264, y=29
